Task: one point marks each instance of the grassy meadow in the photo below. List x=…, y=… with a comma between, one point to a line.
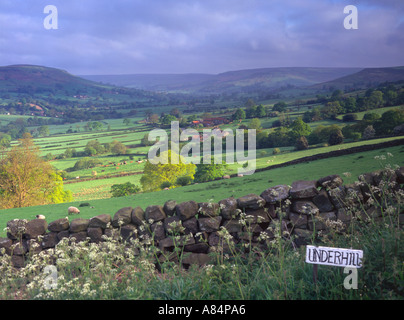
x=94, y=184
x=349, y=167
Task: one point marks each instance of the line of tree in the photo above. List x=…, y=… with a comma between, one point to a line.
x=253, y=111
x=300, y=134
x=382, y=96
x=93, y=148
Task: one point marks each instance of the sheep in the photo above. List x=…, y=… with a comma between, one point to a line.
x=73, y=210
x=40, y=216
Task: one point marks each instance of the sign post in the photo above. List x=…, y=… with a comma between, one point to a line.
x=337, y=257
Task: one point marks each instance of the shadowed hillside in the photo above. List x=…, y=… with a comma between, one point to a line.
x=365, y=78
x=43, y=81
x=232, y=81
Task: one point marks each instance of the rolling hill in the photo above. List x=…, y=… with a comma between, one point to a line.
x=17, y=77
x=364, y=79
x=46, y=83
x=41, y=82
x=227, y=82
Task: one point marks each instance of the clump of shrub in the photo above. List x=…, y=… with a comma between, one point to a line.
x=166, y=184
x=86, y=163
x=184, y=181
x=124, y=189
x=350, y=117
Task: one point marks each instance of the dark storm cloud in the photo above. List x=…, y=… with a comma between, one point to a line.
x=179, y=36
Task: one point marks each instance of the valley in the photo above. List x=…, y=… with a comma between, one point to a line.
x=75, y=132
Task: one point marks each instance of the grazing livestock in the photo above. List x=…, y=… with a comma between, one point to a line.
x=40, y=216
x=73, y=210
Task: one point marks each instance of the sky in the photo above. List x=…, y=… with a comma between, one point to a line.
x=199, y=36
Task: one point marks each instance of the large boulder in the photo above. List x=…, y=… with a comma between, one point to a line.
x=62, y=234
x=158, y=231
x=301, y=189
x=16, y=228
x=322, y=202
x=276, y=194
x=400, y=175
x=5, y=243
x=330, y=182
x=100, y=221
x=384, y=176
x=228, y=208
x=209, y=209
x=318, y=222
x=176, y=242
x=122, y=217
x=35, y=228
x=209, y=224
x=169, y=207
x=128, y=231
x=191, y=225
x=251, y=201
x=78, y=236
x=233, y=226
x=187, y=210
x=215, y=241
x=59, y=225
x=304, y=207
x=95, y=234
x=173, y=225
x=34, y=246
x=154, y=213
x=79, y=225
x=50, y=240
x=298, y=220
x=19, y=248
x=302, y=236
x=257, y=216
x=337, y=196
x=343, y=215
x=138, y=216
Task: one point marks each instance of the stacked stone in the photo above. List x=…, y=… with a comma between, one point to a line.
x=304, y=208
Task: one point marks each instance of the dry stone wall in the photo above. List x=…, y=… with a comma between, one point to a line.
x=302, y=207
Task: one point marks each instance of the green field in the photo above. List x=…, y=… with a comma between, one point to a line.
x=94, y=184
x=98, y=189
x=57, y=143
x=354, y=164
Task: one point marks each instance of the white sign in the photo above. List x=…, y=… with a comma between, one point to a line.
x=334, y=256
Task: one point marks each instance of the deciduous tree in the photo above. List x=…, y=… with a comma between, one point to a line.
x=156, y=174
x=27, y=180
